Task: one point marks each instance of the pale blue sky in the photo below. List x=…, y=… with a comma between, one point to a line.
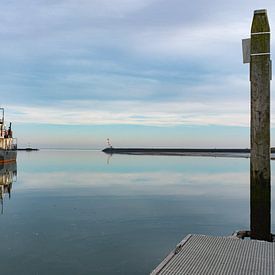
x=143, y=73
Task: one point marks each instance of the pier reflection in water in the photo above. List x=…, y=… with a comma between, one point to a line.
x=8, y=175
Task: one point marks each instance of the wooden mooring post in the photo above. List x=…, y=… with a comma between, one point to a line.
x=260, y=75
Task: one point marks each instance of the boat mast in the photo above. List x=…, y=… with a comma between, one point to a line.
x=1, y=121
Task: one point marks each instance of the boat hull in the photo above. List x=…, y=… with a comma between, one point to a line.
x=7, y=156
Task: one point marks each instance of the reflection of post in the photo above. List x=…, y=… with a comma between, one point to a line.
x=260, y=71
x=1, y=199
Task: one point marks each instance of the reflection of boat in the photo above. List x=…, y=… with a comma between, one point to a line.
x=8, y=173
x=8, y=144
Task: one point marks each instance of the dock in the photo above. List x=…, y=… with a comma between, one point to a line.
x=27, y=149
x=200, y=254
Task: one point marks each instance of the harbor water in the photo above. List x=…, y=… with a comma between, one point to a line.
x=84, y=212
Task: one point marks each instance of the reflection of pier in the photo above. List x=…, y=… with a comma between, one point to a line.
x=8, y=173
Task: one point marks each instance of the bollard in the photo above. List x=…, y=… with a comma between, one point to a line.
x=260, y=75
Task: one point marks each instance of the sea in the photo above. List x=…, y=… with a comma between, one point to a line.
x=86, y=212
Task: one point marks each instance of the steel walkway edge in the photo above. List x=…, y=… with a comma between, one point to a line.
x=200, y=254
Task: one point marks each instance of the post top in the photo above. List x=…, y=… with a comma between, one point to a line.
x=263, y=11
x=260, y=22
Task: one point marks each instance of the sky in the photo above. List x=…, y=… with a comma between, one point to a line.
x=140, y=72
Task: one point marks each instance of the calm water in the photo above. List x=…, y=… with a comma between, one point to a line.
x=78, y=212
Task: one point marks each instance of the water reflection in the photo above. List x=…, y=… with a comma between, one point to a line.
x=72, y=213
x=109, y=158
x=8, y=175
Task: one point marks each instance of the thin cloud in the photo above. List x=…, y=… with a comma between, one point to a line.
x=153, y=114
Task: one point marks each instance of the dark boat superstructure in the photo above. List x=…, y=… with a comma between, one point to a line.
x=8, y=144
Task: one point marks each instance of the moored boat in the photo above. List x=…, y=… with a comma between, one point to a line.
x=8, y=144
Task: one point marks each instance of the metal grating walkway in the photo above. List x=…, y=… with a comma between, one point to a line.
x=198, y=254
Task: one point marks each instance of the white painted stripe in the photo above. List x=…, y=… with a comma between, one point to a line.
x=257, y=33
x=256, y=54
